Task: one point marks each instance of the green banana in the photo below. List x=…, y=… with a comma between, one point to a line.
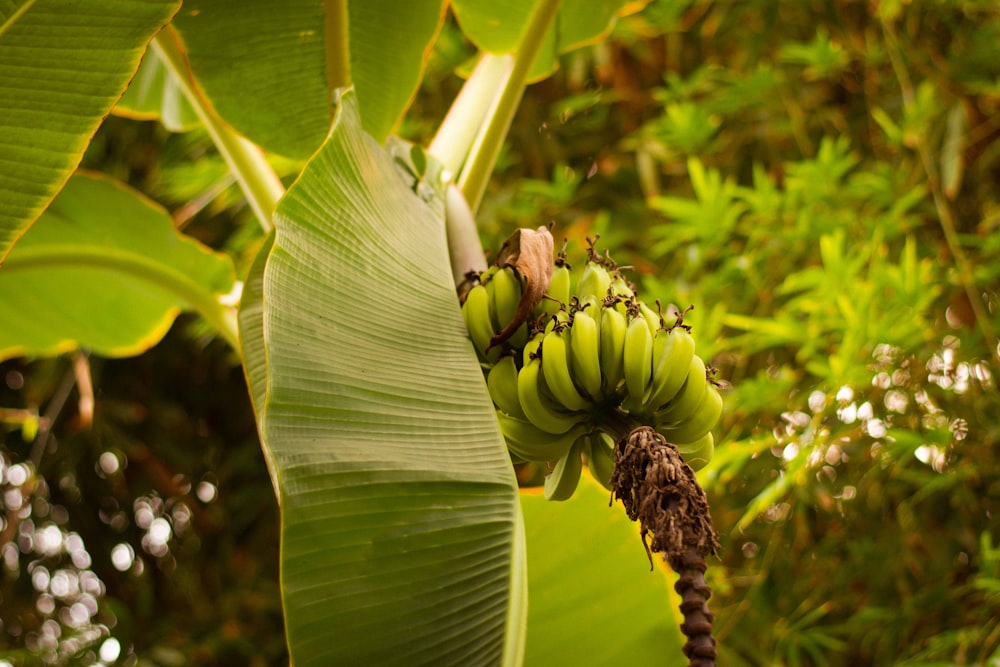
x=531, y=348
x=560, y=318
x=585, y=357
x=698, y=424
x=488, y=274
x=558, y=293
x=562, y=481
x=601, y=457
x=476, y=313
x=620, y=287
x=698, y=453
x=555, y=369
x=594, y=280
x=506, y=293
x=637, y=357
x=529, y=443
x=673, y=350
x=612, y=339
x=502, y=383
x=691, y=393
x=540, y=409
x=651, y=317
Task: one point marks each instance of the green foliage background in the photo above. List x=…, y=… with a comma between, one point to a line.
x=819, y=179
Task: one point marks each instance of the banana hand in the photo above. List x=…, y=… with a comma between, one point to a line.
x=476, y=313
x=705, y=416
x=638, y=356
x=529, y=443
x=538, y=408
x=585, y=357
x=673, y=350
x=502, y=383
x=613, y=329
x=683, y=405
x=556, y=372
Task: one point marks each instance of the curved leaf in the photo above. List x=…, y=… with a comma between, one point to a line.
x=251, y=320
x=104, y=268
x=593, y=599
x=278, y=51
x=496, y=27
x=61, y=70
x=251, y=323
x=154, y=94
x=400, y=518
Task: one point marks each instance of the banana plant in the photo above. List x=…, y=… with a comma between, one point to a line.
x=404, y=538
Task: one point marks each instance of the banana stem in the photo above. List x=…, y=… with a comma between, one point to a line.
x=337, y=48
x=478, y=95
x=260, y=184
x=483, y=155
x=618, y=424
x=464, y=247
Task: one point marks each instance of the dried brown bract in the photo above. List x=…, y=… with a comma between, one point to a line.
x=660, y=491
x=529, y=251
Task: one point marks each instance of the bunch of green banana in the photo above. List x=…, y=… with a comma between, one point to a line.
x=590, y=360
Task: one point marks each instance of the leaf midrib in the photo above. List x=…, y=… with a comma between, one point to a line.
x=13, y=18
x=188, y=291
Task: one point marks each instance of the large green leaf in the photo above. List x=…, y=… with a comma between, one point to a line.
x=593, y=599
x=401, y=539
x=279, y=52
x=496, y=26
x=104, y=268
x=390, y=41
x=63, y=63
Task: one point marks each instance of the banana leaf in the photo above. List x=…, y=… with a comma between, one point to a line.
x=288, y=53
x=52, y=100
x=104, y=268
x=402, y=540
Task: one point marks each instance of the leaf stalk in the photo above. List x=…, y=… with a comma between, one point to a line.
x=260, y=184
x=486, y=149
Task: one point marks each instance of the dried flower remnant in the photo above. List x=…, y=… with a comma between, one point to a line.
x=660, y=491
